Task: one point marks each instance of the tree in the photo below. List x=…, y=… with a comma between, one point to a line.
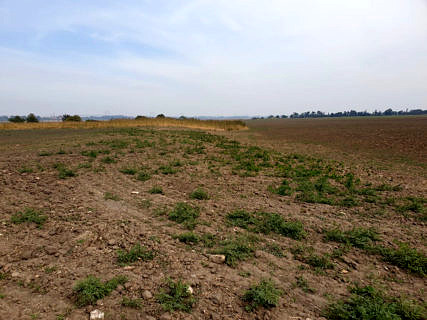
x=67, y=117
x=160, y=116
x=17, y=119
x=32, y=118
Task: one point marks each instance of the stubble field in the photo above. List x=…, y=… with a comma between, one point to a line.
x=150, y=223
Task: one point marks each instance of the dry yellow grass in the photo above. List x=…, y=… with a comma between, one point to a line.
x=221, y=125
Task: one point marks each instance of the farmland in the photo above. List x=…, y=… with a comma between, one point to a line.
x=281, y=221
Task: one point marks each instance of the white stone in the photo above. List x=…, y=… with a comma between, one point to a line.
x=96, y=314
x=217, y=258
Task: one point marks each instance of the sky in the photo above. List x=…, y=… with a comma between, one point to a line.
x=211, y=57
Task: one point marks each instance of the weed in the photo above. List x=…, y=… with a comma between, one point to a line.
x=407, y=258
x=274, y=249
x=108, y=160
x=176, y=296
x=188, y=238
x=185, y=214
x=132, y=303
x=245, y=274
x=2, y=296
x=368, y=303
x=167, y=169
x=235, y=250
x=90, y=153
x=303, y=284
x=50, y=270
x=284, y=189
x=156, y=190
x=111, y=196
x=136, y=253
x=91, y=289
x=358, y=237
x=129, y=170
x=208, y=240
x=45, y=153
x=63, y=171
x=265, y=222
x=264, y=294
x=199, y=194
x=143, y=176
x=29, y=216
x=85, y=165
x=306, y=255
x=25, y=169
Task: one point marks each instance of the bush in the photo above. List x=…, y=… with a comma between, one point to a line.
x=367, y=303
x=32, y=118
x=264, y=294
x=199, y=194
x=91, y=289
x=67, y=117
x=176, y=296
x=136, y=253
x=186, y=214
x=29, y=216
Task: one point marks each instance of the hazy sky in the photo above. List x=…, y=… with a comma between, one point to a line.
x=211, y=57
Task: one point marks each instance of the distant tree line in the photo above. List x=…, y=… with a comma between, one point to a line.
x=351, y=113
x=19, y=119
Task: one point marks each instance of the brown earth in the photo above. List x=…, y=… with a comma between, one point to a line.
x=402, y=139
x=84, y=230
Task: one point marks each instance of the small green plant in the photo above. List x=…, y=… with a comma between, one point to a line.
x=167, y=169
x=188, y=238
x=111, y=196
x=357, y=237
x=264, y=294
x=143, y=176
x=284, y=189
x=136, y=253
x=63, y=171
x=274, y=249
x=156, y=190
x=45, y=153
x=407, y=258
x=132, y=303
x=368, y=303
x=108, y=160
x=92, y=289
x=176, y=296
x=29, y=216
x=303, y=284
x=235, y=250
x=25, y=169
x=307, y=255
x=185, y=214
x=199, y=194
x=129, y=170
x=90, y=153
x=265, y=222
